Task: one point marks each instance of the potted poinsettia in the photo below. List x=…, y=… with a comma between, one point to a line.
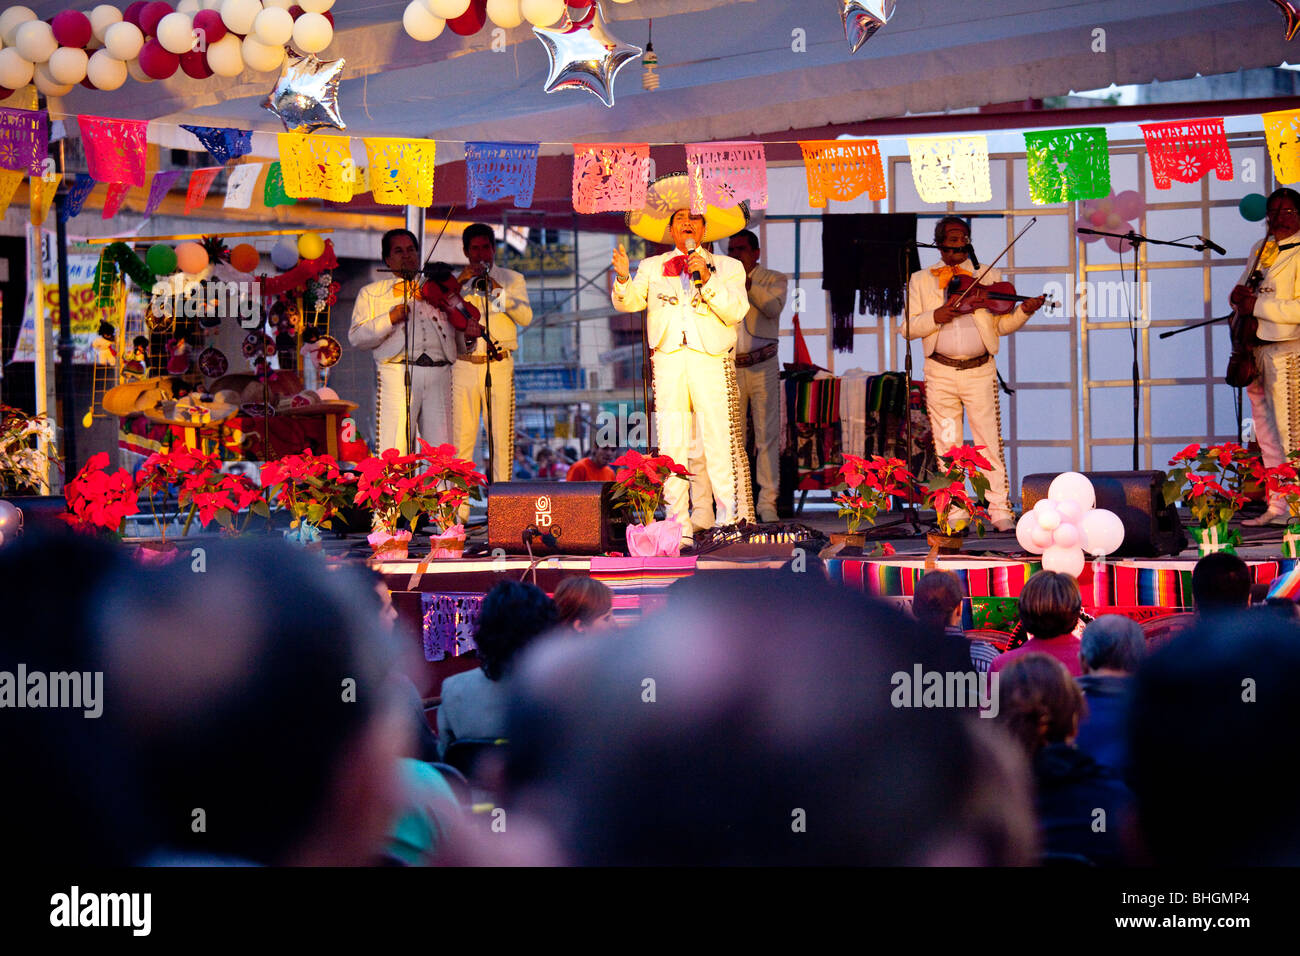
x=639, y=491
x=1283, y=481
x=384, y=484
x=99, y=501
x=870, y=483
x=1209, y=479
x=312, y=488
x=955, y=510
x=441, y=484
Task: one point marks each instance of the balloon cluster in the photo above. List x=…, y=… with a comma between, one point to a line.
x=424, y=20
x=152, y=40
x=1067, y=523
x=192, y=258
x=1113, y=213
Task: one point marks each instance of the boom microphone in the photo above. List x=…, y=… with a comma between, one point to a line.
x=1213, y=245
x=970, y=254
x=695, y=273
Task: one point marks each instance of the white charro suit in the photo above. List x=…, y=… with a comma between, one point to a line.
x=948, y=390
x=430, y=334
x=1275, y=394
x=692, y=337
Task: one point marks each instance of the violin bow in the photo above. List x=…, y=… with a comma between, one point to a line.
x=985, y=270
x=450, y=211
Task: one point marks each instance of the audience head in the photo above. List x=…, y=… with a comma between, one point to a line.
x=584, y=604
x=1212, y=733
x=1039, y=702
x=1050, y=604
x=701, y=739
x=937, y=598
x=261, y=699
x=513, y=613
x=1220, y=582
x=602, y=455
x=1112, y=643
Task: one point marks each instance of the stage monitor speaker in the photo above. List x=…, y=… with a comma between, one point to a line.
x=564, y=517
x=1151, y=528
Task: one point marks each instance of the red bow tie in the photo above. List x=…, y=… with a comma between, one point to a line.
x=675, y=266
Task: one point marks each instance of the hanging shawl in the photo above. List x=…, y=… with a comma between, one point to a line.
x=862, y=254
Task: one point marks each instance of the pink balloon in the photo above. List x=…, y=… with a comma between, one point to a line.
x=1041, y=538
x=1064, y=561
x=1113, y=221
x=71, y=29
x=1097, y=218
x=1025, y=528
x=1086, y=223
x=1070, y=511
x=1129, y=204
x=1066, y=536
x=1118, y=245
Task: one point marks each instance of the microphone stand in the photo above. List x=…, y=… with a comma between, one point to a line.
x=407, y=278
x=483, y=285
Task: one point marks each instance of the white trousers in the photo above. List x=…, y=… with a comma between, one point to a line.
x=955, y=398
x=430, y=404
x=692, y=389
x=760, y=395
x=468, y=397
x=1275, y=403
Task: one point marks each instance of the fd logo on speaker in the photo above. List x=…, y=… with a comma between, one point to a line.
x=542, y=511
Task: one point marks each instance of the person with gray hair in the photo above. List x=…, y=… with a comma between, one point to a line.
x=1110, y=651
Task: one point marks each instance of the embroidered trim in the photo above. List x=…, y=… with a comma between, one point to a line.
x=741, y=484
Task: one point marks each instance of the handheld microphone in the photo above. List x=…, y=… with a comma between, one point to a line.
x=1213, y=245
x=695, y=273
x=970, y=254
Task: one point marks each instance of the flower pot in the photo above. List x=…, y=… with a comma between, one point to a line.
x=844, y=541
x=449, y=543
x=155, y=554
x=307, y=535
x=941, y=544
x=389, y=545
x=1291, y=541
x=658, y=539
x=1216, y=537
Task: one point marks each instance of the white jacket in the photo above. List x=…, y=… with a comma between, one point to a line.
x=373, y=329
x=924, y=296
x=1277, y=305
x=715, y=313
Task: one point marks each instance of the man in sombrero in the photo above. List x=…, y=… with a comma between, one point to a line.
x=694, y=300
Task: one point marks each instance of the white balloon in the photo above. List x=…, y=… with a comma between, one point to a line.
x=123, y=40
x=35, y=41
x=1064, y=560
x=541, y=13
x=11, y=20
x=176, y=33
x=189, y=6
x=238, y=15
x=1070, y=510
x=1025, y=528
x=1103, y=532
x=284, y=254
x=420, y=24
x=137, y=74
x=48, y=84
x=68, y=65
x=316, y=6
x=103, y=17
x=447, y=9
x=277, y=4
x=15, y=72
x=312, y=33
x=212, y=4
x=1049, y=519
x=1072, y=486
x=504, y=13
x=273, y=26
x=1041, y=537
x=226, y=57
x=260, y=57
x=106, y=71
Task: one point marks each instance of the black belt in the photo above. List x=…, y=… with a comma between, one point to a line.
x=424, y=361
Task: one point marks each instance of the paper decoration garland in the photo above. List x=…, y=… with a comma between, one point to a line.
x=609, y=177
x=200, y=183
x=9, y=180
x=1187, y=151
x=1282, y=130
x=158, y=189
x=842, y=170
x=42, y=195
x=24, y=140
x=113, y=200
x=273, y=193
x=497, y=170
x=239, y=187
x=401, y=171
x=951, y=168
x=723, y=174
x=76, y=197
x=115, y=148
x=222, y=143
x=1068, y=164
x=316, y=167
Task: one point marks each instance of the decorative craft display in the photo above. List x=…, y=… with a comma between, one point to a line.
x=497, y=170
x=842, y=169
x=113, y=199
x=76, y=197
x=583, y=54
x=862, y=18
x=1186, y=151
x=1067, y=164
x=1282, y=130
x=316, y=167
x=306, y=97
x=273, y=193
x=221, y=143
x=239, y=185
x=401, y=170
x=42, y=192
x=951, y=168
x=115, y=148
x=24, y=140
x=724, y=174
x=159, y=187
x=200, y=183
x=609, y=177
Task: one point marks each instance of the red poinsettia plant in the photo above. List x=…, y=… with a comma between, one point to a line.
x=1283, y=481
x=202, y=487
x=312, y=487
x=99, y=500
x=1210, y=479
x=945, y=492
x=871, y=482
x=639, y=482
x=433, y=482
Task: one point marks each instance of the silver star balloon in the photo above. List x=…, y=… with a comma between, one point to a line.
x=306, y=97
x=862, y=18
x=585, y=56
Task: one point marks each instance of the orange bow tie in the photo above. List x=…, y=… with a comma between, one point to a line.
x=945, y=273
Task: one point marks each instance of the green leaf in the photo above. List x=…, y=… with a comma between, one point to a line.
x=260, y=508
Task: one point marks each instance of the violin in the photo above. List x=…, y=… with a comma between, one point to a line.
x=445, y=296
x=1243, y=329
x=966, y=294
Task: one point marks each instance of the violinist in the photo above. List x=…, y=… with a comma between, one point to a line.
x=414, y=344
x=960, y=335
x=1274, y=302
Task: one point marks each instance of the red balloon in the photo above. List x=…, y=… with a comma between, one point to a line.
x=86, y=83
x=132, y=13
x=213, y=27
x=195, y=64
x=157, y=62
x=330, y=17
x=72, y=29
x=152, y=15
x=471, y=21
x=296, y=11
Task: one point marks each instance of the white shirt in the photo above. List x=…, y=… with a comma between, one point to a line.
x=960, y=339
x=510, y=310
x=372, y=328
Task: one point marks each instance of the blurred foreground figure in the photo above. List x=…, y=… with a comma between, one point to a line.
x=722, y=733
x=260, y=694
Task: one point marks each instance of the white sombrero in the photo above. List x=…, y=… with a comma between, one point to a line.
x=665, y=196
